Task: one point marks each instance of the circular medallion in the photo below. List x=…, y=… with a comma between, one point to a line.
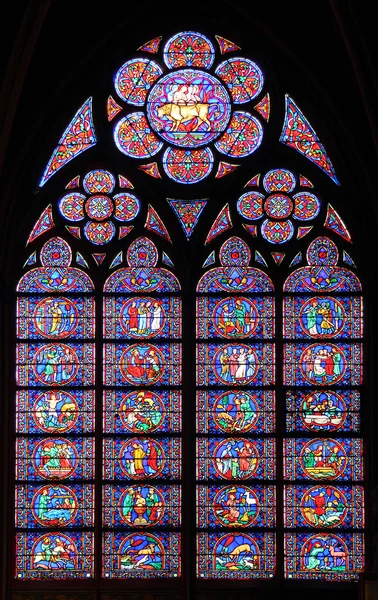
x=54, y=506
x=188, y=108
x=235, y=458
x=306, y=206
x=99, y=233
x=127, y=206
x=327, y=553
x=134, y=79
x=322, y=364
x=323, y=459
x=56, y=317
x=323, y=506
x=239, y=552
x=142, y=364
x=236, y=506
x=133, y=137
x=55, y=412
x=99, y=207
x=99, y=182
x=142, y=458
x=322, y=316
x=243, y=136
x=235, y=411
x=55, y=458
x=71, y=206
x=141, y=506
x=279, y=180
x=243, y=78
x=278, y=206
x=55, y=364
x=141, y=552
x=235, y=364
x=323, y=411
x=188, y=166
x=58, y=545
x=235, y=317
x=142, y=317
x=142, y=411
x=277, y=233
x=250, y=205
x=189, y=49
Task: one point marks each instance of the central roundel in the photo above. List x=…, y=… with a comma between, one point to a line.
x=189, y=108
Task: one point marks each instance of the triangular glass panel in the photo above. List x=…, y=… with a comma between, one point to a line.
x=334, y=222
x=254, y=181
x=75, y=231
x=112, y=108
x=117, y=260
x=80, y=260
x=124, y=231
x=278, y=257
x=304, y=182
x=44, y=223
x=260, y=259
x=31, y=260
x=226, y=45
x=151, y=169
x=210, y=260
x=348, y=260
x=125, y=183
x=221, y=224
x=74, y=183
x=99, y=258
x=225, y=169
x=155, y=224
x=166, y=260
x=151, y=46
x=188, y=212
x=252, y=229
x=296, y=260
x=263, y=107
x=302, y=231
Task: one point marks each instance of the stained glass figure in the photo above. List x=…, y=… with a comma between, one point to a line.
x=44, y=223
x=117, y=260
x=99, y=182
x=141, y=505
x=243, y=136
x=133, y=137
x=225, y=169
x=135, y=78
x=155, y=224
x=189, y=49
x=166, y=260
x=278, y=257
x=221, y=224
x=71, y=206
x=298, y=134
x=75, y=231
x=151, y=169
x=210, y=260
x=124, y=231
x=124, y=183
x=323, y=410
x=334, y=223
x=260, y=259
x=99, y=258
x=112, y=108
x=31, y=260
x=254, y=181
x=74, y=183
x=296, y=260
x=188, y=166
x=189, y=108
x=151, y=46
x=226, y=45
x=263, y=107
x=78, y=137
x=188, y=213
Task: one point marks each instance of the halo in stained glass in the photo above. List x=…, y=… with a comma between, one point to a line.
x=133, y=137
x=188, y=166
x=99, y=233
x=235, y=252
x=99, y=207
x=142, y=253
x=306, y=206
x=322, y=251
x=127, y=206
x=135, y=505
x=242, y=137
x=278, y=206
x=276, y=232
x=279, y=180
x=71, y=206
x=243, y=78
x=99, y=182
x=55, y=317
x=134, y=79
x=56, y=253
x=189, y=49
x=188, y=108
x=250, y=205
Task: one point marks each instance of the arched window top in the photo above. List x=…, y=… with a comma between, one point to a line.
x=322, y=274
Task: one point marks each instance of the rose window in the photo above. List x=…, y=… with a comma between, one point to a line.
x=185, y=111
x=277, y=206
